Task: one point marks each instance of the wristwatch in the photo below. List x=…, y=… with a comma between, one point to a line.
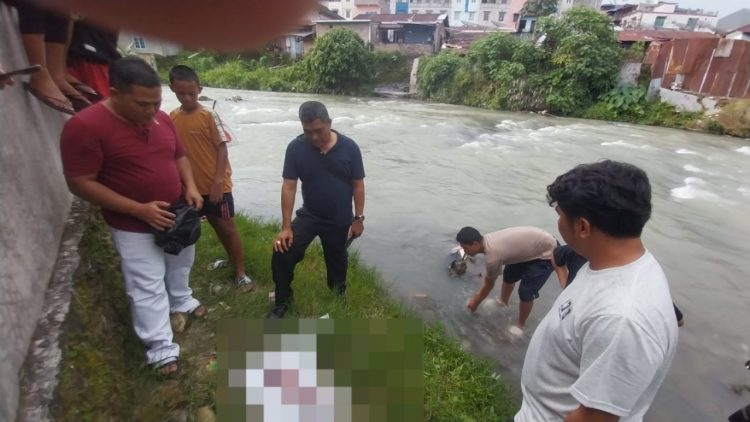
x=360, y=217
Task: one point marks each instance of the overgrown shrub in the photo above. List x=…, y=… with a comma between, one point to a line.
x=339, y=63
x=436, y=74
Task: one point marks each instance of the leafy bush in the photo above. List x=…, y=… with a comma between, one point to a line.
x=436, y=74
x=626, y=101
x=584, y=55
x=339, y=63
x=391, y=67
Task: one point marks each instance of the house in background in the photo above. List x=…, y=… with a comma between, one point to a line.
x=362, y=27
x=299, y=40
x=349, y=9
x=409, y=34
x=740, y=34
x=565, y=5
x=617, y=11
x=145, y=47
x=664, y=15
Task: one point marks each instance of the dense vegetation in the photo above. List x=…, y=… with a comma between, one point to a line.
x=339, y=63
x=570, y=67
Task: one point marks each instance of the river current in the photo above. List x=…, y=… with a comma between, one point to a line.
x=433, y=168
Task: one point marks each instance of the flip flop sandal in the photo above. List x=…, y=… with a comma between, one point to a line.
x=200, y=312
x=79, y=101
x=160, y=366
x=87, y=91
x=51, y=102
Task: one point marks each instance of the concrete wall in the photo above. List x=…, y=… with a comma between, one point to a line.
x=629, y=73
x=35, y=204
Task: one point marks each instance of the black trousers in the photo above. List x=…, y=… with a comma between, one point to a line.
x=305, y=229
x=34, y=20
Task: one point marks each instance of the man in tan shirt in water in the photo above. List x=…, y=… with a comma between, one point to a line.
x=525, y=252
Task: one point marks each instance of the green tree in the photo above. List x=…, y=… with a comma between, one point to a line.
x=539, y=8
x=339, y=63
x=585, y=58
x=436, y=74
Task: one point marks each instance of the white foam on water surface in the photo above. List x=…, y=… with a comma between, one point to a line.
x=744, y=150
x=624, y=144
x=283, y=123
x=686, y=151
x=694, y=188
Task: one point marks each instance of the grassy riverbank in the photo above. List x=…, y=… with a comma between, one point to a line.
x=104, y=377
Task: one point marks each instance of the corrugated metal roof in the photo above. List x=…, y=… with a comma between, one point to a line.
x=631, y=35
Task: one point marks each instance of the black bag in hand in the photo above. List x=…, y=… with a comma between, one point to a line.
x=185, y=231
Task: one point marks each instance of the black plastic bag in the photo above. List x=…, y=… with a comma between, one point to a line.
x=185, y=231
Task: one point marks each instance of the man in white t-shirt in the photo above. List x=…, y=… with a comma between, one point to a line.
x=606, y=345
x=518, y=253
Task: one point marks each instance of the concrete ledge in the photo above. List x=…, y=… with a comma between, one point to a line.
x=42, y=366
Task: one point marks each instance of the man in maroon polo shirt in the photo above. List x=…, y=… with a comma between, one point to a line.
x=123, y=154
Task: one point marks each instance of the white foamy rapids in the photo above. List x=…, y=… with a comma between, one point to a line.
x=744, y=190
x=626, y=145
x=478, y=144
x=284, y=123
x=692, y=168
x=694, y=188
x=686, y=151
x=744, y=150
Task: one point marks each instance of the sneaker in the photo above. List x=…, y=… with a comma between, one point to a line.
x=244, y=283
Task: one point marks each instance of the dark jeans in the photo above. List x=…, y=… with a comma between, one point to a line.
x=305, y=229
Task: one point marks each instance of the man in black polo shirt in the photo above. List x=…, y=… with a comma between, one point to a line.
x=330, y=167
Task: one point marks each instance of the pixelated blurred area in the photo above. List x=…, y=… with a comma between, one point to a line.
x=312, y=370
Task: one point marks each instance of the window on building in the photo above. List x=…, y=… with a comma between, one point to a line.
x=500, y=16
x=503, y=1
x=443, y=12
x=659, y=23
x=486, y=16
x=692, y=23
x=516, y=16
x=348, y=14
x=138, y=42
x=456, y=16
x=471, y=16
x=428, y=11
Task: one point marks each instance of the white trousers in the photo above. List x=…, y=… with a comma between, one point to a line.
x=156, y=284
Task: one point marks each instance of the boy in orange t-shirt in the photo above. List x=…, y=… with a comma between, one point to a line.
x=206, y=149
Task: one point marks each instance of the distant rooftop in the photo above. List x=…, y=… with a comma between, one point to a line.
x=400, y=17
x=633, y=35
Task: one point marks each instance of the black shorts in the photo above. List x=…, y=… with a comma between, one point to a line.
x=223, y=210
x=533, y=275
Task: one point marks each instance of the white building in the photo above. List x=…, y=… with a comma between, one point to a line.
x=665, y=15
x=348, y=9
x=145, y=47
x=564, y=5
x=494, y=14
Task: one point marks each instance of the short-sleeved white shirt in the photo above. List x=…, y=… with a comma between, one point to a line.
x=607, y=343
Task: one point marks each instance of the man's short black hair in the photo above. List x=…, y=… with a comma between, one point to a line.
x=468, y=235
x=131, y=70
x=614, y=197
x=311, y=110
x=181, y=72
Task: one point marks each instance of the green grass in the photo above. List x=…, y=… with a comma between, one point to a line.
x=104, y=377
